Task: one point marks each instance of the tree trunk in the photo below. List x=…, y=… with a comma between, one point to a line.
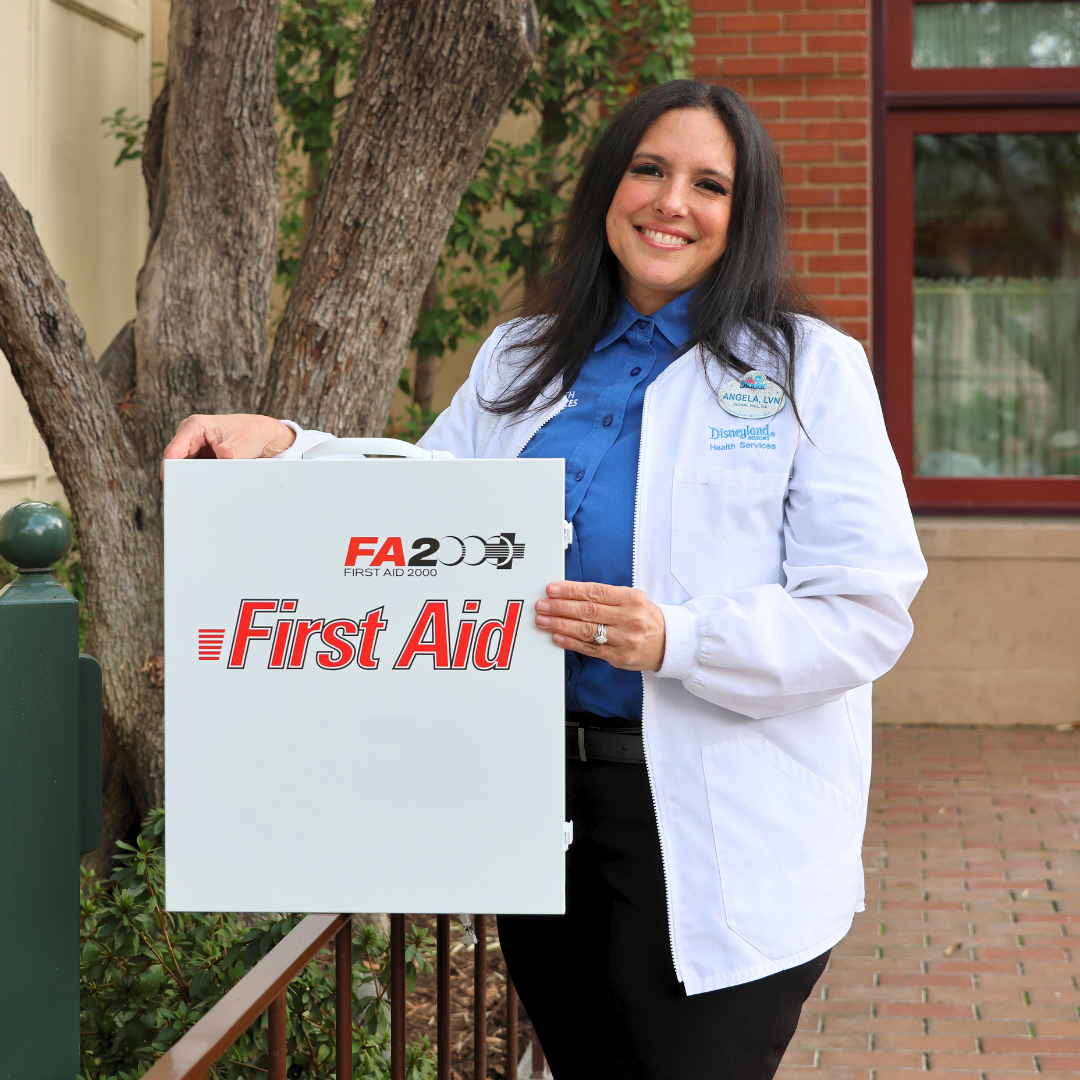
x=434, y=81
x=436, y=77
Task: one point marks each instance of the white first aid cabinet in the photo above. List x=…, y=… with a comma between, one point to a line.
x=360, y=713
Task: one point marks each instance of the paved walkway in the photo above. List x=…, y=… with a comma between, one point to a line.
x=963, y=962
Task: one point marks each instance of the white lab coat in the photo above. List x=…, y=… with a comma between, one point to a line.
x=784, y=562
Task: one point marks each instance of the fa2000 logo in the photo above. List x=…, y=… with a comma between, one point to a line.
x=372, y=552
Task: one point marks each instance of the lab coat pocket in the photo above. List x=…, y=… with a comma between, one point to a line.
x=788, y=844
x=726, y=529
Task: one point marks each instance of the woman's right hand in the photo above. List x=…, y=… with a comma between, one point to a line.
x=236, y=435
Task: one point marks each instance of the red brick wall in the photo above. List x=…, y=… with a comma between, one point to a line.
x=804, y=66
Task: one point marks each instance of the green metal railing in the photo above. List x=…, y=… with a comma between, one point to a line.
x=50, y=798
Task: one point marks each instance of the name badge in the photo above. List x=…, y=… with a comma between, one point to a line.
x=753, y=396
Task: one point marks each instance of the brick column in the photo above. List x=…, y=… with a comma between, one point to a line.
x=803, y=65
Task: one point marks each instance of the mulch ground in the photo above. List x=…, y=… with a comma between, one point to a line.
x=962, y=963
x=420, y=1006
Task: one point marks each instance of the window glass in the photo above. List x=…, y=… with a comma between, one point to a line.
x=996, y=337
x=990, y=35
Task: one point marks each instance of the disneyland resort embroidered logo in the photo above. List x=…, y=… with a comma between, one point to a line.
x=748, y=437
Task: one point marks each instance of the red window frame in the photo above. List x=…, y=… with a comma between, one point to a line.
x=910, y=101
x=902, y=78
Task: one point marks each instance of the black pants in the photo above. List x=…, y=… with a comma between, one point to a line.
x=599, y=982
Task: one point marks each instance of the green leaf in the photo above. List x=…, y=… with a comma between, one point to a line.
x=151, y=979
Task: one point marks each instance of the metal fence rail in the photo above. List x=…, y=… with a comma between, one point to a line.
x=263, y=989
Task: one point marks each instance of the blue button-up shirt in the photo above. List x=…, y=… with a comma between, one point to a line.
x=598, y=434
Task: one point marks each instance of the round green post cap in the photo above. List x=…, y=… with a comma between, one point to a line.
x=34, y=535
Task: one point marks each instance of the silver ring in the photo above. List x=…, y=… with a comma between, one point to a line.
x=600, y=638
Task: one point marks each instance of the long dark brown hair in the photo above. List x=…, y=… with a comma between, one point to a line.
x=751, y=289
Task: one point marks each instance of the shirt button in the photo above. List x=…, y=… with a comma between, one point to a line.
x=580, y=475
x=635, y=371
x=607, y=421
x=567, y=674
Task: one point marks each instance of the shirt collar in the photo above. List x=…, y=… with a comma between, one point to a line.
x=672, y=320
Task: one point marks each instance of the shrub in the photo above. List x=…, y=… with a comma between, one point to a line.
x=148, y=975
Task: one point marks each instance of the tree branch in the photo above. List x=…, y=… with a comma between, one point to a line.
x=95, y=460
x=204, y=292
x=45, y=344
x=152, y=149
x=435, y=79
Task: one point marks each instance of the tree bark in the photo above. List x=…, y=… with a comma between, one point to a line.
x=204, y=292
x=435, y=79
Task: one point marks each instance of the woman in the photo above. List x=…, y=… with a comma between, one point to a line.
x=742, y=566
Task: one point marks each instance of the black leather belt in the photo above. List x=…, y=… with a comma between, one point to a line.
x=586, y=743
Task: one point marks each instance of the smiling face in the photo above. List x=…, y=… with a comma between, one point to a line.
x=668, y=222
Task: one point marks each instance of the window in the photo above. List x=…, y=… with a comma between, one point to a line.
x=995, y=35
x=998, y=47
x=977, y=250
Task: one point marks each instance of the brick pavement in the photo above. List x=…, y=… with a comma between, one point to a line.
x=963, y=961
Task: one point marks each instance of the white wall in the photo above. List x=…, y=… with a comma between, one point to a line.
x=64, y=65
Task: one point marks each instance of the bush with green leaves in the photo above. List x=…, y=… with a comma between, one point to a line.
x=148, y=975
x=129, y=131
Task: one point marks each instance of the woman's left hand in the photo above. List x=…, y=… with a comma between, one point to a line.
x=635, y=625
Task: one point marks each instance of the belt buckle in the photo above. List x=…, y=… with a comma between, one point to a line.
x=580, y=739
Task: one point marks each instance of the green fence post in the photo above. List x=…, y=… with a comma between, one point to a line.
x=50, y=798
